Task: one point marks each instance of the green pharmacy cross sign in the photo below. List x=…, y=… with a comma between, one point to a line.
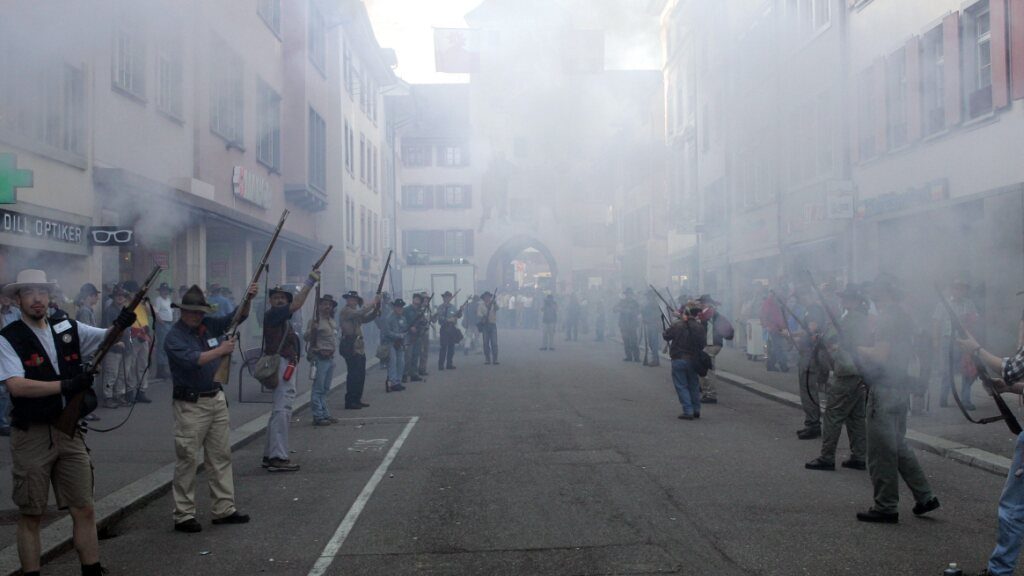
x=11, y=178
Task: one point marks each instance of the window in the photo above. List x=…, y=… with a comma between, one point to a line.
x=317, y=151
x=371, y=96
x=270, y=11
x=268, y=139
x=349, y=153
x=129, y=66
x=46, y=106
x=457, y=196
x=417, y=197
x=317, y=38
x=896, y=97
x=428, y=241
x=808, y=161
x=452, y=155
x=458, y=243
x=416, y=154
x=347, y=69
x=227, y=99
x=978, y=59
x=362, y=228
x=373, y=168
x=362, y=157
x=932, y=79
x=350, y=221
x=169, y=79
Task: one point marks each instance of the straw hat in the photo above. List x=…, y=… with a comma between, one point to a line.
x=29, y=279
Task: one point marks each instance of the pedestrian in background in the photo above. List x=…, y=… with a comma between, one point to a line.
x=141, y=342
x=549, y=317
x=8, y=313
x=353, y=347
x=114, y=367
x=628, y=310
x=651, y=315
x=469, y=324
x=394, y=332
x=572, y=319
x=87, y=298
x=164, y=319
x=487, y=311
x=718, y=329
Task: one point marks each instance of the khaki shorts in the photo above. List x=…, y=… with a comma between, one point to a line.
x=43, y=454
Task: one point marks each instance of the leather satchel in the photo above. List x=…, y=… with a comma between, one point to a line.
x=268, y=366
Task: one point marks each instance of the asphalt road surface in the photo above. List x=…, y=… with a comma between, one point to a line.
x=569, y=462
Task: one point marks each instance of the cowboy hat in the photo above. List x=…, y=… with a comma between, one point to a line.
x=282, y=290
x=330, y=299
x=707, y=299
x=447, y=294
x=398, y=303
x=29, y=279
x=193, y=301
x=164, y=286
x=88, y=289
x=350, y=295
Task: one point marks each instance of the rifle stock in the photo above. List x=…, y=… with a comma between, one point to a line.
x=68, y=420
x=223, y=374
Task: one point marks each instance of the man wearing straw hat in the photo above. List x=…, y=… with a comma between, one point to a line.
x=201, y=420
x=41, y=364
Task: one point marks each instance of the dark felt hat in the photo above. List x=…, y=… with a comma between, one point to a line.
x=88, y=289
x=194, y=301
x=164, y=286
x=447, y=294
x=329, y=298
x=398, y=302
x=350, y=295
x=282, y=290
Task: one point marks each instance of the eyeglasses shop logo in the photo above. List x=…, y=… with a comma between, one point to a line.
x=111, y=236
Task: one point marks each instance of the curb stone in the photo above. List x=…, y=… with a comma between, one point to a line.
x=56, y=538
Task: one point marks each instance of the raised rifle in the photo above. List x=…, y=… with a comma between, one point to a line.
x=316, y=332
x=664, y=320
x=223, y=374
x=1005, y=413
x=854, y=357
x=482, y=322
x=69, y=417
x=387, y=265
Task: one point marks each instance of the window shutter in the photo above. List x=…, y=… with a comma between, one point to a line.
x=881, y=113
x=1000, y=73
x=1017, y=47
x=913, y=52
x=951, y=55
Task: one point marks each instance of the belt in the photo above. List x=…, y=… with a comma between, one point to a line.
x=210, y=394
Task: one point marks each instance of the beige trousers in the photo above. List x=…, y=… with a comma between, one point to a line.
x=203, y=424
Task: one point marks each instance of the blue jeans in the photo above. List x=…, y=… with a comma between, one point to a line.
x=321, y=386
x=396, y=365
x=1003, y=560
x=687, y=383
x=5, y=407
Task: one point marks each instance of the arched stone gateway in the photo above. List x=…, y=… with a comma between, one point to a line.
x=500, y=263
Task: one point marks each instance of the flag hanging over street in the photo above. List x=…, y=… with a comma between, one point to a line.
x=457, y=50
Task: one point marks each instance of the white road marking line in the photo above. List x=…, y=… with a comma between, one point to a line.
x=347, y=523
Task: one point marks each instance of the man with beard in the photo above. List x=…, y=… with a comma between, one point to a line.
x=278, y=335
x=41, y=365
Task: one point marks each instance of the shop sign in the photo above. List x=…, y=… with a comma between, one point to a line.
x=934, y=191
x=11, y=178
x=41, y=228
x=251, y=187
x=111, y=236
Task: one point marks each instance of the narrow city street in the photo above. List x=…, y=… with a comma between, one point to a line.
x=562, y=463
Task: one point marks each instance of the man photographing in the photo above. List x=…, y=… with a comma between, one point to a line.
x=41, y=365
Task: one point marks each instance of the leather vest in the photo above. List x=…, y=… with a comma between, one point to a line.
x=47, y=409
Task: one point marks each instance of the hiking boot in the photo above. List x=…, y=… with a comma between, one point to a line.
x=450, y=367
x=140, y=397
x=234, y=518
x=877, y=517
x=190, y=526
x=278, y=465
x=854, y=464
x=397, y=387
x=696, y=415
x=424, y=373
x=321, y=422
x=809, y=433
x=686, y=416
x=922, y=508
x=265, y=463
x=820, y=464
x=415, y=378
x=353, y=406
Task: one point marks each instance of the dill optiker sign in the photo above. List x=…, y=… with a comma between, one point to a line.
x=42, y=228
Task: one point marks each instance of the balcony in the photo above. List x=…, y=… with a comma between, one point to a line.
x=307, y=197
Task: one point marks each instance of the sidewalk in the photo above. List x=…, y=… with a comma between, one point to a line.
x=135, y=463
x=942, y=430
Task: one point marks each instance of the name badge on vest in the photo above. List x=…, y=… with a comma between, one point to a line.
x=62, y=327
x=212, y=343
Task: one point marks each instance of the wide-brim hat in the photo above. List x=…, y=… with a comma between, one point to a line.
x=486, y=294
x=398, y=302
x=351, y=295
x=281, y=290
x=164, y=286
x=447, y=294
x=29, y=279
x=194, y=301
x=330, y=299
x=707, y=299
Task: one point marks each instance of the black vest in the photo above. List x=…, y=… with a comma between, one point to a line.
x=47, y=409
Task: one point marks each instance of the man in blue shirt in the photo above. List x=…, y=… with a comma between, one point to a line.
x=194, y=352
